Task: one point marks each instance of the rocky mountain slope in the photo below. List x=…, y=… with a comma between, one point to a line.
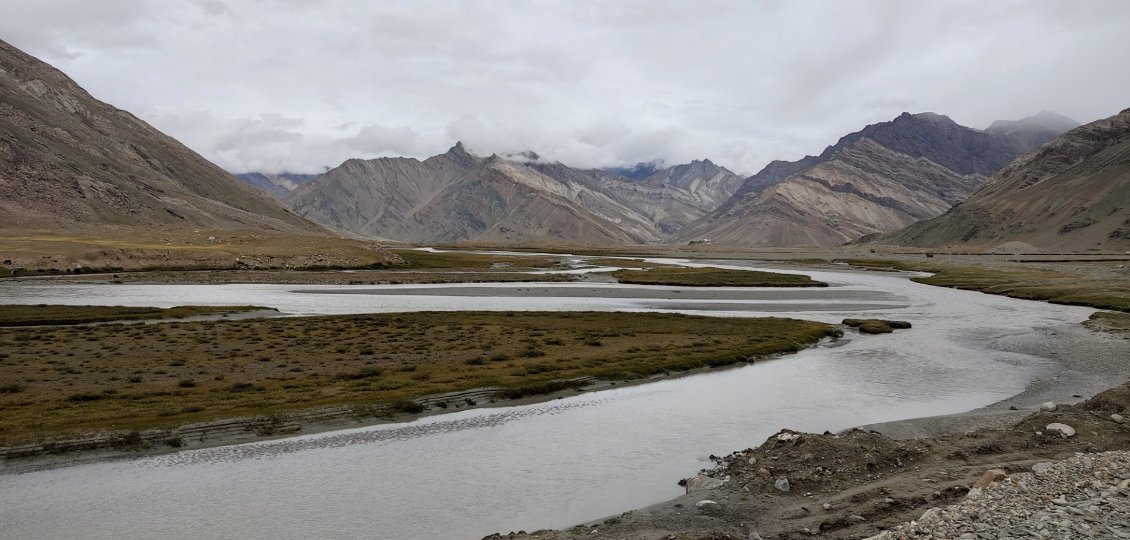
x=69, y=162
x=275, y=184
x=879, y=179
x=1070, y=195
x=456, y=197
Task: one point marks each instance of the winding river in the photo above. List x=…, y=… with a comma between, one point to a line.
x=547, y=465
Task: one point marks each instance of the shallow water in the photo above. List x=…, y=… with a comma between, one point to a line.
x=470, y=473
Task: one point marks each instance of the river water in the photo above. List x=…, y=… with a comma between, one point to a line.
x=548, y=465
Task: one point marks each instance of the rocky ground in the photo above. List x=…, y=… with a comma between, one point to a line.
x=1084, y=496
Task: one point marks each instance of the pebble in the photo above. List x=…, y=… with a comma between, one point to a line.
x=1118, y=419
x=1080, y=497
x=1049, y=406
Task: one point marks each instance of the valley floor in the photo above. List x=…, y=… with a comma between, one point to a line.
x=858, y=483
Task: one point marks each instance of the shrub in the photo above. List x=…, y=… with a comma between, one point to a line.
x=405, y=406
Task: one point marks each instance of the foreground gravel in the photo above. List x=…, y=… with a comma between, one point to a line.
x=1085, y=496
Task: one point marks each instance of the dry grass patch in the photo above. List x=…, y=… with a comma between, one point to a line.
x=713, y=277
x=1046, y=283
x=65, y=380
x=44, y=314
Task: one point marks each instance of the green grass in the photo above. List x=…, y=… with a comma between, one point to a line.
x=713, y=277
x=43, y=314
x=62, y=381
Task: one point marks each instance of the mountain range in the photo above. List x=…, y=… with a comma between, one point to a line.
x=71, y=164
x=879, y=179
x=1072, y=194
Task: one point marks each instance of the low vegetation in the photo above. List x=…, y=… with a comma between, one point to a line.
x=1062, y=284
x=876, y=326
x=713, y=277
x=417, y=259
x=43, y=314
x=1110, y=321
x=60, y=381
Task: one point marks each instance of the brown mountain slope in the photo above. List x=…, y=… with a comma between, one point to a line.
x=1072, y=194
x=456, y=197
x=667, y=198
x=879, y=179
x=71, y=163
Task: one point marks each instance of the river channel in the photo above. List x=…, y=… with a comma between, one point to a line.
x=546, y=465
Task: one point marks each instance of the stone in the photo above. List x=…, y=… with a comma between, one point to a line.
x=1118, y=419
x=1041, y=468
x=764, y=473
x=705, y=503
x=786, y=436
x=1063, y=430
x=782, y=485
x=826, y=506
x=990, y=477
x=703, y=483
x=753, y=461
x=1048, y=406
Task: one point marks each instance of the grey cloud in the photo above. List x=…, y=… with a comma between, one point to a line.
x=302, y=84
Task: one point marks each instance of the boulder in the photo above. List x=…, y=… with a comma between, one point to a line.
x=703, y=483
x=1041, y=468
x=1118, y=419
x=990, y=477
x=782, y=485
x=1049, y=406
x=1064, y=430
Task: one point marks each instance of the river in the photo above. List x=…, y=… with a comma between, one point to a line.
x=546, y=465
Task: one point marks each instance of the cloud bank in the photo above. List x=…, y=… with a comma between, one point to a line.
x=289, y=85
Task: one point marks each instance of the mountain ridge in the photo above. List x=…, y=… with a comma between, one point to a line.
x=73, y=163
x=878, y=179
x=1070, y=194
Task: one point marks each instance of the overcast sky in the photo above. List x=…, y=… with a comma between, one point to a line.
x=298, y=85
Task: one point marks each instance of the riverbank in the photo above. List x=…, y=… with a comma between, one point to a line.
x=860, y=482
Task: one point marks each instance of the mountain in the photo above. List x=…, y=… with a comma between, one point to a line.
x=879, y=179
x=674, y=196
x=1031, y=132
x=455, y=197
x=275, y=184
x=1072, y=194
x=639, y=171
x=69, y=162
